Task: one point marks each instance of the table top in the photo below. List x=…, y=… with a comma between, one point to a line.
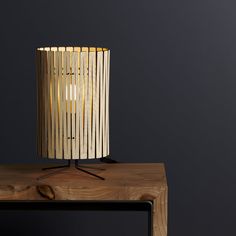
x=129, y=181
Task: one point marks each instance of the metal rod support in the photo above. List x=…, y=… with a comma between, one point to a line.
x=89, y=173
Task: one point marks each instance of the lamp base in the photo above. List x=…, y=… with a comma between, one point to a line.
x=68, y=165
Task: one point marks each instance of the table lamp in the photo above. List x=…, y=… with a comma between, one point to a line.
x=73, y=104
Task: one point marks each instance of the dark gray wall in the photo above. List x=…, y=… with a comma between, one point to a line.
x=173, y=83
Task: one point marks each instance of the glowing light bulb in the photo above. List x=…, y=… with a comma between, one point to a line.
x=71, y=92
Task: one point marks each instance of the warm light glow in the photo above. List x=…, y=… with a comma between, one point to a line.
x=73, y=102
x=71, y=94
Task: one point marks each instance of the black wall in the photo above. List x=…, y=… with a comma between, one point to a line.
x=173, y=85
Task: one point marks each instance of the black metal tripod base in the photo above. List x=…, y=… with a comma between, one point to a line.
x=76, y=166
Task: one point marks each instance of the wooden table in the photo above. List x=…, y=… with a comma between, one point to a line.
x=123, y=182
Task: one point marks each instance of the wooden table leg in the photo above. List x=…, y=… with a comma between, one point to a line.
x=160, y=214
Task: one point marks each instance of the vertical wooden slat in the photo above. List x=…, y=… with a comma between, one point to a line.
x=41, y=122
x=101, y=103
x=86, y=97
x=98, y=105
x=93, y=102
x=41, y=106
x=68, y=108
x=64, y=112
x=60, y=103
x=54, y=84
x=68, y=83
x=43, y=97
x=77, y=118
x=48, y=103
x=58, y=152
x=39, y=103
x=73, y=98
x=53, y=104
x=104, y=82
x=81, y=106
x=107, y=102
x=89, y=104
x=44, y=103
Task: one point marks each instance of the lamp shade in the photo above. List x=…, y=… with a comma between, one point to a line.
x=73, y=102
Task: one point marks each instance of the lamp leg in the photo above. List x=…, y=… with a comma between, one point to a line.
x=90, y=167
x=78, y=167
x=57, y=167
x=51, y=173
x=89, y=173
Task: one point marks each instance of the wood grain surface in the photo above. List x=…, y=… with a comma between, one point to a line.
x=123, y=182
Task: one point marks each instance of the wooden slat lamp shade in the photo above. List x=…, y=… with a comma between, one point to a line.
x=73, y=102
